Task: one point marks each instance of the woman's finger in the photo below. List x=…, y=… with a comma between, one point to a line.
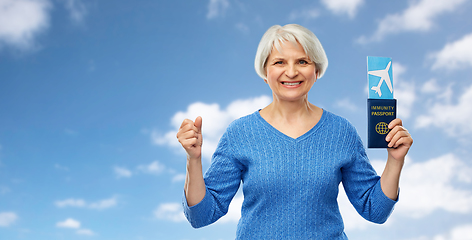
x=405, y=141
x=181, y=136
x=189, y=143
x=395, y=122
x=186, y=128
x=398, y=135
x=185, y=122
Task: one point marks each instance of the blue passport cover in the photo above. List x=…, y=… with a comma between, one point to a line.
x=381, y=106
x=381, y=113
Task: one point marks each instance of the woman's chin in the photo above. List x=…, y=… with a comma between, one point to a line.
x=290, y=97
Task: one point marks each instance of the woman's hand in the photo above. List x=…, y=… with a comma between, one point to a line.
x=399, y=140
x=190, y=136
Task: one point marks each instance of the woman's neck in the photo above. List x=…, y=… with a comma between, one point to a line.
x=290, y=111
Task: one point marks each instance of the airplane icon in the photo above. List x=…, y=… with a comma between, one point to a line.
x=384, y=76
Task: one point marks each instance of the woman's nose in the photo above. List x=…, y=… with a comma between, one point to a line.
x=291, y=71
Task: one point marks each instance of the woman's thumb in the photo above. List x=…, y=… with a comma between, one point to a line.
x=198, y=124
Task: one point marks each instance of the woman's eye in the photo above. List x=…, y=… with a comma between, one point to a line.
x=303, y=62
x=278, y=62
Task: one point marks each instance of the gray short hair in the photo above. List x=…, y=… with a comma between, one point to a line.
x=293, y=33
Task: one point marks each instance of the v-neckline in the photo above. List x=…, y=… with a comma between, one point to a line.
x=285, y=136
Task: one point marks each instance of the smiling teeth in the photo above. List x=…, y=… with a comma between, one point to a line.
x=291, y=84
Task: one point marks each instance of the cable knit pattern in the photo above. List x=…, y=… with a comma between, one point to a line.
x=290, y=185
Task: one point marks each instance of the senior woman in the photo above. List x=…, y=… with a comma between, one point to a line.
x=291, y=155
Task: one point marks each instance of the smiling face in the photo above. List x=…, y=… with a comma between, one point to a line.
x=290, y=72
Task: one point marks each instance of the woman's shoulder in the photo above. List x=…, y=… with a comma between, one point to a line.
x=343, y=129
x=337, y=122
x=241, y=128
x=336, y=119
x=244, y=122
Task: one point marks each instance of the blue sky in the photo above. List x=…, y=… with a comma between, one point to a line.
x=92, y=93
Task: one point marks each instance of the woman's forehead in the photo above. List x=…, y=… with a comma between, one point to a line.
x=287, y=47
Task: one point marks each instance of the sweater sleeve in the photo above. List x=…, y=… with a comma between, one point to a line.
x=362, y=186
x=222, y=181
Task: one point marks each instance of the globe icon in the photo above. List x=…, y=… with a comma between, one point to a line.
x=381, y=128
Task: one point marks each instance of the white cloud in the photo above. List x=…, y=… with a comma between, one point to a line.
x=441, y=94
x=306, y=14
x=170, y=211
x=234, y=210
x=242, y=27
x=398, y=70
x=174, y=212
x=74, y=224
x=77, y=10
x=103, y=204
x=70, y=203
x=352, y=220
x=179, y=177
x=404, y=91
x=419, y=16
x=418, y=238
x=347, y=104
x=463, y=232
x=122, y=172
x=70, y=132
x=435, y=184
x=80, y=203
x=87, y=232
x=454, y=55
x=431, y=86
x=153, y=168
x=4, y=189
x=22, y=20
x=7, y=218
x=217, y=8
x=406, y=96
x=68, y=223
x=452, y=118
x=348, y=7
x=60, y=167
x=424, y=188
x=215, y=121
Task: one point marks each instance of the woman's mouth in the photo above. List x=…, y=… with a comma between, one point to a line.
x=291, y=83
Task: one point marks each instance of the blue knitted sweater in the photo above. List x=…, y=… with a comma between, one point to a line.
x=290, y=186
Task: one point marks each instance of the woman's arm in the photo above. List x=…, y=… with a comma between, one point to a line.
x=400, y=142
x=190, y=136
x=207, y=199
x=194, y=184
